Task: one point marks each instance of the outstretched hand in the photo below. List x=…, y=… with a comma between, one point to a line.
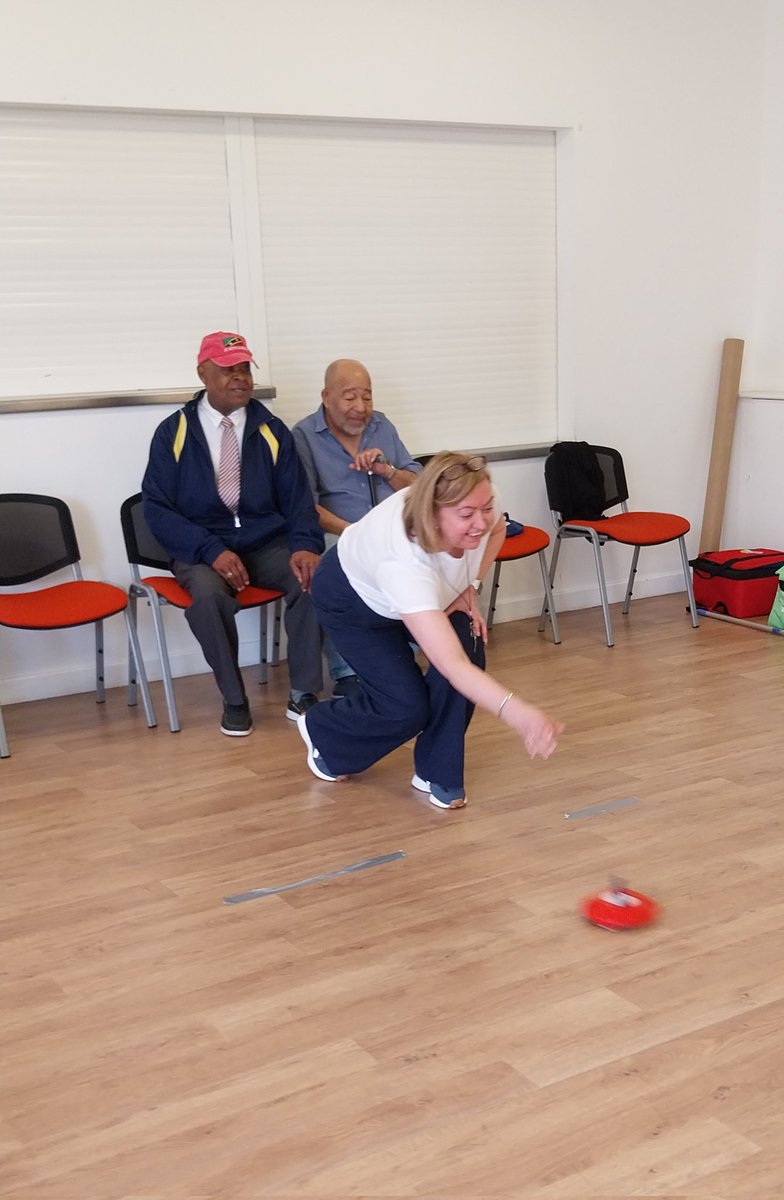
x=538, y=732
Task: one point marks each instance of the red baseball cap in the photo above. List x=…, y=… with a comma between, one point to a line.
x=224, y=349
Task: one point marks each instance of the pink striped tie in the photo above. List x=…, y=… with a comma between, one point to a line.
x=229, y=466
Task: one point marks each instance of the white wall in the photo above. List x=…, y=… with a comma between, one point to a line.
x=671, y=184
x=764, y=353
x=754, y=515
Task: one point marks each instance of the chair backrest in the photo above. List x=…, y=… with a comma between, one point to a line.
x=37, y=537
x=584, y=480
x=611, y=464
x=141, y=546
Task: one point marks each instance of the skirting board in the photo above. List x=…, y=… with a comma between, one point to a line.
x=75, y=681
x=184, y=655
x=521, y=607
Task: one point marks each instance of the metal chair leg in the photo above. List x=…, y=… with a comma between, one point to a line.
x=689, y=585
x=264, y=625
x=100, y=690
x=548, y=599
x=131, y=671
x=550, y=580
x=274, y=659
x=163, y=656
x=269, y=638
x=4, y=751
x=630, y=585
x=597, y=553
x=139, y=672
x=493, y=593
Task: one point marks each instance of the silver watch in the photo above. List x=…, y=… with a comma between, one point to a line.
x=477, y=585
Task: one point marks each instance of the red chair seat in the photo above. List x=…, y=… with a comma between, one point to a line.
x=79, y=602
x=530, y=541
x=640, y=528
x=168, y=587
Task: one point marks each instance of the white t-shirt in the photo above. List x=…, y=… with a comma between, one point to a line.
x=394, y=575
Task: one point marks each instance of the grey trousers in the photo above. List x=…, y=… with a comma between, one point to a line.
x=212, y=614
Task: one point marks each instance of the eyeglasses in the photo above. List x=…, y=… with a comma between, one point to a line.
x=476, y=463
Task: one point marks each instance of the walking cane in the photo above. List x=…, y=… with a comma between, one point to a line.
x=372, y=482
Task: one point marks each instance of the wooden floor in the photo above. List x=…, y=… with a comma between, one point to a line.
x=444, y=1025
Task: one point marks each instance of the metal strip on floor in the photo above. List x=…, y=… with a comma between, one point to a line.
x=256, y=893
x=594, y=811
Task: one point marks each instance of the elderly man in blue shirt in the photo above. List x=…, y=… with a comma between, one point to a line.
x=353, y=458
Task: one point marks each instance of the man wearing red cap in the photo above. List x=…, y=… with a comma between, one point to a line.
x=226, y=495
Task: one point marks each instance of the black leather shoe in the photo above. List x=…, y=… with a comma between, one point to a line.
x=297, y=707
x=347, y=686
x=237, y=721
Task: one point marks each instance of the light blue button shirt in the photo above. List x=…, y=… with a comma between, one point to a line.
x=335, y=486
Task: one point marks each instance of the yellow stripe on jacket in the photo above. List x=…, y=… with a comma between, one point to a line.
x=272, y=442
x=179, y=437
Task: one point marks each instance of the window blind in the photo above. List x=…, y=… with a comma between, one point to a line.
x=426, y=251
x=115, y=249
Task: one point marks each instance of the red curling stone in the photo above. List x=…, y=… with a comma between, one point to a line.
x=620, y=908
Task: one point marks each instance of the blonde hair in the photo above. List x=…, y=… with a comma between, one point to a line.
x=446, y=479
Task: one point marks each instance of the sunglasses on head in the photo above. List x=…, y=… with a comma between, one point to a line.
x=476, y=463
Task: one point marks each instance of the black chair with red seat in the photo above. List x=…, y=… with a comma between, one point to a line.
x=144, y=550
x=583, y=481
x=37, y=538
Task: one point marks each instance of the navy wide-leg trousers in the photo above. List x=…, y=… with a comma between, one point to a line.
x=396, y=702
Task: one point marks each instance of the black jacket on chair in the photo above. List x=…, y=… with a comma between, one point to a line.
x=575, y=481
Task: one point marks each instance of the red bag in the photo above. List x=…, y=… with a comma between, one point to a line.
x=740, y=583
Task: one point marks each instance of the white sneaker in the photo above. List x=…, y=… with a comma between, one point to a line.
x=315, y=761
x=440, y=796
